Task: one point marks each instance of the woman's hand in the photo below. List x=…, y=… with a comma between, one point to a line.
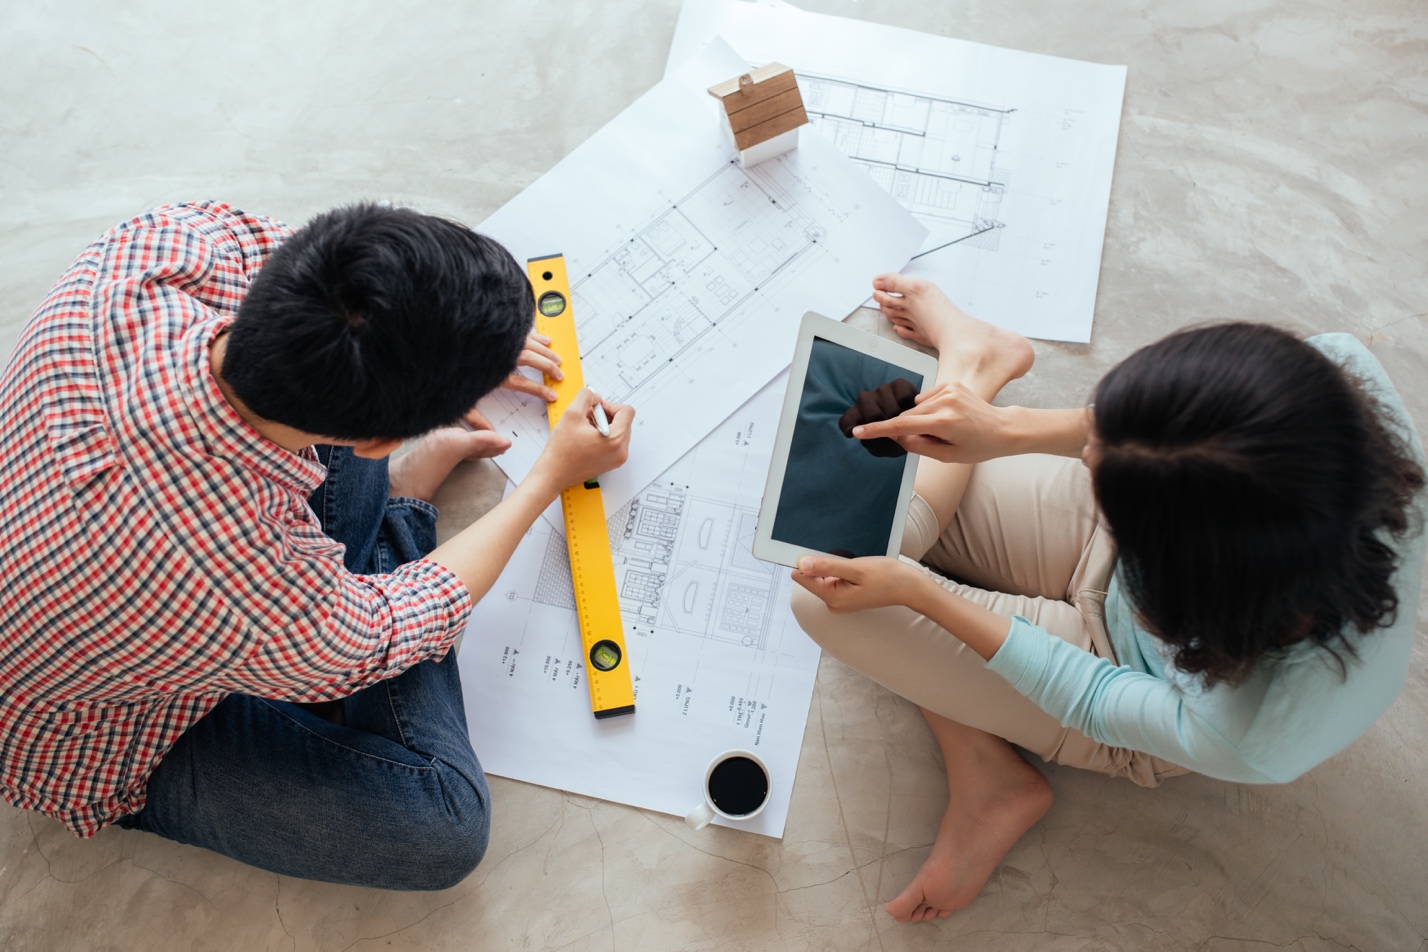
x=577, y=451
x=873, y=406
x=854, y=585
x=537, y=355
x=949, y=423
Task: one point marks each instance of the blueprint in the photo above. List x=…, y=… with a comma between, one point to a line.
x=689, y=274
x=1006, y=157
x=717, y=658
x=938, y=157
x=683, y=562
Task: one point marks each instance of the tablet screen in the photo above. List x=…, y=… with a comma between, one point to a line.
x=836, y=495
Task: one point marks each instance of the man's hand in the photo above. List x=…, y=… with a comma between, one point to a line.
x=537, y=355
x=874, y=406
x=949, y=423
x=577, y=451
x=854, y=585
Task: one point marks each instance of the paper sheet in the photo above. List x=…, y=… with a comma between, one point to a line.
x=1005, y=156
x=718, y=659
x=689, y=275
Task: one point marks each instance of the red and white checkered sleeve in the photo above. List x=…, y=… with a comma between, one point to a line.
x=366, y=629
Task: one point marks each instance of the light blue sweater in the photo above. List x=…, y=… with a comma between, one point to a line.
x=1295, y=709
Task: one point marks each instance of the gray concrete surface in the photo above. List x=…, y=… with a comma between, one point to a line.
x=1271, y=166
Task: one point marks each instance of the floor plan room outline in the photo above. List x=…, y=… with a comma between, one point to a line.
x=684, y=274
x=939, y=157
x=683, y=564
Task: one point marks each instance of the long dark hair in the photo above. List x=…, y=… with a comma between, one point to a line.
x=1248, y=481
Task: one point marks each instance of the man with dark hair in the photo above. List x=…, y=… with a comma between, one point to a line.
x=223, y=619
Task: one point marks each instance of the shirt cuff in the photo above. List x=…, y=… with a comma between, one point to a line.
x=449, y=595
x=1023, y=655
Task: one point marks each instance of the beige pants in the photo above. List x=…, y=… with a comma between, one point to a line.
x=1026, y=540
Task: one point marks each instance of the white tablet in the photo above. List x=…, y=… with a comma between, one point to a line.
x=828, y=493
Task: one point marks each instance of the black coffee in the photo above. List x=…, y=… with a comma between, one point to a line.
x=738, y=786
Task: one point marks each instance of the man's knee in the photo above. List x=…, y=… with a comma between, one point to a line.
x=457, y=837
x=459, y=849
x=439, y=853
x=437, y=840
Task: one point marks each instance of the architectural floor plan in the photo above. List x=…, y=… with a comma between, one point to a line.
x=938, y=157
x=654, y=302
x=689, y=274
x=1006, y=157
x=717, y=658
x=683, y=563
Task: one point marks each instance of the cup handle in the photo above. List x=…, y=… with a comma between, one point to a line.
x=699, y=817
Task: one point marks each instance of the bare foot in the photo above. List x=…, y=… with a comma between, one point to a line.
x=994, y=798
x=966, y=347
x=421, y=470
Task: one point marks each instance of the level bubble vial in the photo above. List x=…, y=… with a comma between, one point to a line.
x=551, y=304
x=605, y=655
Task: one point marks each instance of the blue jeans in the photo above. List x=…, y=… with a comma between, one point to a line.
x=395, y=798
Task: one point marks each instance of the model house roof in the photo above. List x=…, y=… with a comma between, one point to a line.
x=761, y=104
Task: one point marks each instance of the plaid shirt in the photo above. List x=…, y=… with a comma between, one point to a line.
x=156, y=552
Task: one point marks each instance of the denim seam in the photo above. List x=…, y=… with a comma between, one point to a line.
x=325, y=519
x=341, y=746
x=407, y=502
x=398, y=720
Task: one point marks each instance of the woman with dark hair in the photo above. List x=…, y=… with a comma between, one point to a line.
x=1224, y=583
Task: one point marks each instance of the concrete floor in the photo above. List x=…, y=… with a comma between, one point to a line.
x=1272, y=166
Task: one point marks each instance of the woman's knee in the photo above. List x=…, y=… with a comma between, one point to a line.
x=810, y=613
x=833, y=633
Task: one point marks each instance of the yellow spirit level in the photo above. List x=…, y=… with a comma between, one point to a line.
x=607, y=667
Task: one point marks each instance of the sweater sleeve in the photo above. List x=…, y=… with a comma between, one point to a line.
x=1115, y=705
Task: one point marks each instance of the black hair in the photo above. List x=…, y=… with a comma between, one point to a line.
x=377, y=323
x=1252, y=487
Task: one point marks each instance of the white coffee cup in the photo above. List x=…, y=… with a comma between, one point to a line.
x=733, y=789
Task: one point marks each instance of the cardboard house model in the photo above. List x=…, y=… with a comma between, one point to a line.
x=765, y=111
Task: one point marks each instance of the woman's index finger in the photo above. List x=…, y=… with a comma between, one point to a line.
x=908, y=423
